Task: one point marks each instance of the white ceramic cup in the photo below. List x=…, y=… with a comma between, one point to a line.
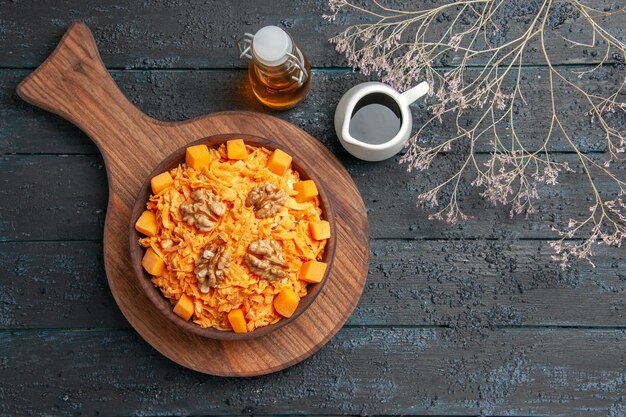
x=368, y=151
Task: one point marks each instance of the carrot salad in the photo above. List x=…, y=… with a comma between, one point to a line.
x=180, y=244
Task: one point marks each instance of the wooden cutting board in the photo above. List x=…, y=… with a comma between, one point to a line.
x=74, y=84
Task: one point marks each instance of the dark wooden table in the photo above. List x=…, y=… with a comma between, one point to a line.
x=467, y=319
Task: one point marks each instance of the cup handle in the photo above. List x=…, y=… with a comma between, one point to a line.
x=416, y=92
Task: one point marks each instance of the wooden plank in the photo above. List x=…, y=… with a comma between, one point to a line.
x=28, y=129
x=361, y=371
x=52, y=197
x=178, y=95
x=64, y=197
x=202, y=34
x=60, y=284
x=390, y=195
x=466, y=285
x=484, y=284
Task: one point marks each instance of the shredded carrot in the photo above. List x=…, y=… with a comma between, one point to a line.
x=180, y=244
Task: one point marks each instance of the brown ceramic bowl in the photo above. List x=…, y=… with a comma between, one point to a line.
x=162, y=303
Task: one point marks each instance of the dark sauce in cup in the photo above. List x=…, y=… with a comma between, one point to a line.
x=376, y=119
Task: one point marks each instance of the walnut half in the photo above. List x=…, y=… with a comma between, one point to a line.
x=212, y=266
x=265, y=258
x=203, y=210
x=267, y=200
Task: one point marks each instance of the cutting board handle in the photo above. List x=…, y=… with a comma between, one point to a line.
x=74, y=83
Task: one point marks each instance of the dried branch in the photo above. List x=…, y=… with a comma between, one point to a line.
x=402, y=47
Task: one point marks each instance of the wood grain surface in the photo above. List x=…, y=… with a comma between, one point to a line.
x=202, y=33
x=389, y=194
x=362, y=371
x=465, y=320
x=74, y=84
x=60, y=285
x=162, y=93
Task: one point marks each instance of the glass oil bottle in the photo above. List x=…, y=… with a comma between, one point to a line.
x=278, y=71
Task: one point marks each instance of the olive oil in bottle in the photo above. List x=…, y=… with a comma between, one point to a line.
x=279, y=73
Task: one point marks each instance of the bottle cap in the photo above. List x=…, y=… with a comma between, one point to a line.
x=271, y=45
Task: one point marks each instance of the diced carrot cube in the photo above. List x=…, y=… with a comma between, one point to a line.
x=286, y=302
x=236, y=149
x=147, y=224
x=312, y=271
x=161, y=182
x=320, y=230
x=279, y=162
x=184, y=307
x=153, y=263
x=197, y=156
x=306, y=190
x=237, y=321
